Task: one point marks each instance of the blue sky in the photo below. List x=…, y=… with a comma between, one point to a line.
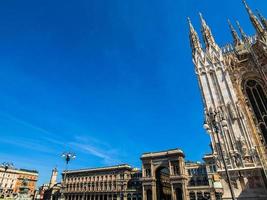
x=106, y=79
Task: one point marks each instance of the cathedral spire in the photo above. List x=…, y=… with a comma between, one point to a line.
x=263, y=20
x=206, y=33
x=237, y=40
x=243, y=34
x=255, y=22
x=194, y=39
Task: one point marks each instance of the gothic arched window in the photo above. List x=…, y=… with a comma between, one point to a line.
x=258, y=101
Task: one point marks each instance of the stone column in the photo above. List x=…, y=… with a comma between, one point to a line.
x=171, y=168
x=152, y=169
x=184, y=190
x=181, y=167
x=154, y=191
x=143, y=171
x=144, y=193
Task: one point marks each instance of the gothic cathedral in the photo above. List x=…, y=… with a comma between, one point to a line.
x=233, y=83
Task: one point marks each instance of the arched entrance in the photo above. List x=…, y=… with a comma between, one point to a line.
x=149, y=194
x=163, y=183
x=179, y=194
x=162, y=173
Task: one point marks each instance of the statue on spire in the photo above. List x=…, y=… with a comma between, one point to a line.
x=243, y=34
x=194, y=39
x=206, y=33
x=255, y=22
x=263, y=20
x=237, y=40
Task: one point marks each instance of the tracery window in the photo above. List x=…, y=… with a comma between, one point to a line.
x=192, y=196
x=199, y=195
x=258, y=101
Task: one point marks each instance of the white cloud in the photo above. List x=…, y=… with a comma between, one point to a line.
x=84, y=143
x=107, y=154
x=24, y=123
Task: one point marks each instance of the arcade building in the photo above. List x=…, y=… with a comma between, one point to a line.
x=164, y=176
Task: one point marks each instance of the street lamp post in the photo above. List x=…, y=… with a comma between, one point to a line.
x=213, y=123
x=6, y=166
x=67, y=156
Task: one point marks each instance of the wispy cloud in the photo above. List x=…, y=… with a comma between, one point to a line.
x=48, y=143
x=25, y=123
x=96, y=148
x=45, y=136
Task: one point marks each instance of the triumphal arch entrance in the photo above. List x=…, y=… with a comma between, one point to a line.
x=163, y=175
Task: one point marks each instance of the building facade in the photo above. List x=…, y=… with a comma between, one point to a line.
x=164, y=176
x=233, y=83
x=203, y=181
x=120, y=182
x=12, y=180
